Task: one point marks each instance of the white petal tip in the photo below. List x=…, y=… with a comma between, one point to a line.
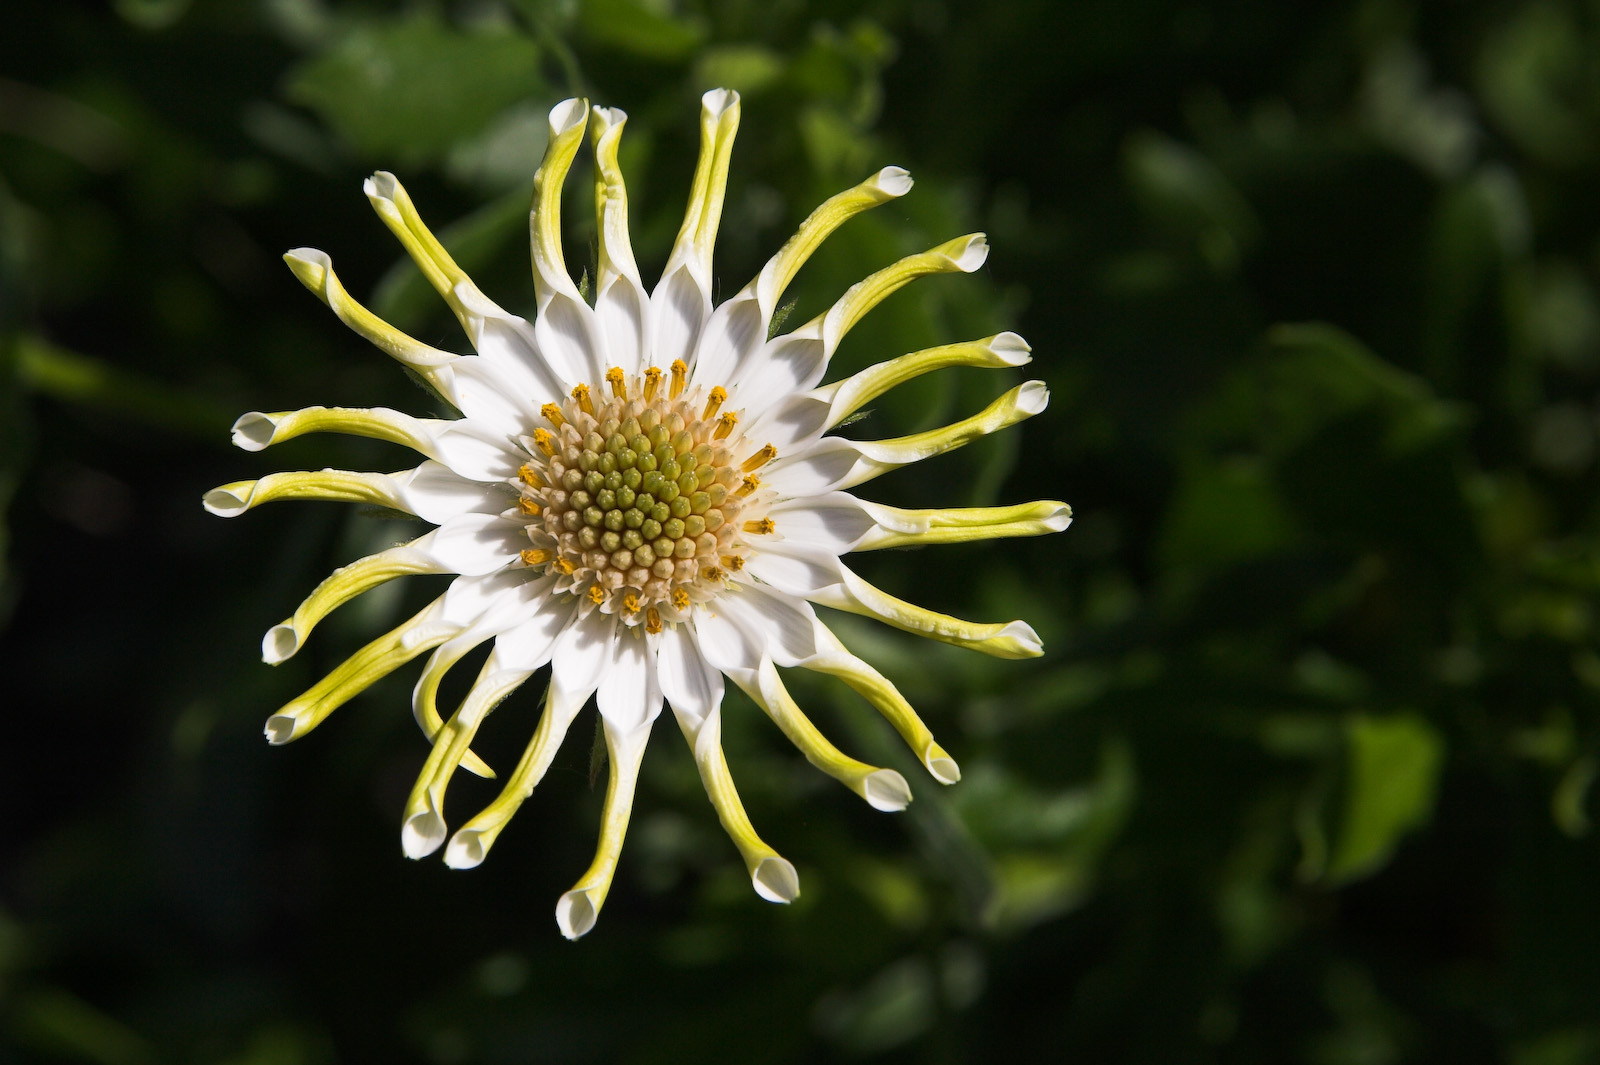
x=254, y=431
x=893, y=180
x=1033, y=397
x=310, y=266
x=466, y=850
x=422, y=833
x=973, y=255
x=717, y=101
x=886, y=790
x=609, y=117
x=576, y=912
x=228, y=502
x=1011, y=349
x=281, y=728
x=567, y=116
x=775, y=880
x=280, y=643
x=380, y=186
x=1059, y=518
x=942, y=767
x=1022, y=640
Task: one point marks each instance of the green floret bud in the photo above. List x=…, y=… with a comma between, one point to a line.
x=631, y=478
x=650, y=529
x=672, y=529
x=608, y=463
x=605, y=499
x=614, y=520
x=593, y=481
x=631, y=539
x=679, y=507
x=625, y=497
x=670, y=469
x=693, y=526
x=626, y=458
x=593, y=516
x=633, y=518
x=609, y=542
x=653, y=481
x=615, y=443
x=580, y=499
x=682, y=441
x=669, y=492
x=660, y=512
x=699, y=502
x=688, y=483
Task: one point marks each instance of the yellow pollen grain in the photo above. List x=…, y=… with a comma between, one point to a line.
x=725, y=425
x=652, y=621
x=714, y=402
x=680, y=377
x=680, y=599
x=528, y=505
x=759, y=459
x=748, y=485
x=652, y=382
x=543, y=439
x=714, y=573
x=581, y=394
x=535, y=556
x=760, y=528
x=597, y=594
x=618, y=382
x=734, y=562
x=552, y=414
x=529, y=476
x=565, y=566
x=630, y=603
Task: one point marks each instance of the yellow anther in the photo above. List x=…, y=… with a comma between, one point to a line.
x=759, y=459
x=680, y=377
x=713, y=573
x=652, y=381
x=680, y=599
x=618, y=382
x=528, y=505
x=725, y=424
x=713, y=402
x=630, y=603
x=565, y=566
x=552, y=414
x=535, y=556
x=597, y=594
x=760, y=528
x=544, y=440
x=529, y=476
x=734, y=563
x=652, y=621
x=748, y=485
x=581, y=394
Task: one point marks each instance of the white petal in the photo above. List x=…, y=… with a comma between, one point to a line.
x=629, y=697
x=474, y=450
x=483, y=394
x=510, y=344
x=815, y=470
x=529, y=644
x=836, y=522
x=735, y=332
x=689, y=682
x=678, y=306
x=581, y=652
x=437, y=494
x=477, y=543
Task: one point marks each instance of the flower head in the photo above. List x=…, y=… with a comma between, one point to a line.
x=641, y=495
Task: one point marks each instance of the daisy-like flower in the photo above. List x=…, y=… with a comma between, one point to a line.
x=640, y=494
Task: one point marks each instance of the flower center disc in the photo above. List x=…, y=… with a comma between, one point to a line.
x=642, y=501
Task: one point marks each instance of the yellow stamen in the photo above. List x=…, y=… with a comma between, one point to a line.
x=733, y=562
x=748, y=485
x=652, y=621
x=760, y=528
x=552, y=414
x=759, y=459
x=530, y=476
x=713, y=402
x=630, y=603
x=597, y=594
x=535, y=556
x=680, y=599
x=565, y=566
x=714, y=573
x=680, y=377
x=652, y=381
x=544, y=440
x=725, y=425
x=528, y=505
x=581, y=394
x=618, y=382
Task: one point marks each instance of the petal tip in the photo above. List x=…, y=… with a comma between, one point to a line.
x=230, y=500
x=942, y=767
x=1011, y=349
x=576, y=913
x=421, y=834
x=1033, y=397
x=893, y=180
x=1021, y=640
x=568, y=115
x=886, y=790
x=467, y=849
x=716, y=102
x=310, y=265
x=253, y=431
x=281, y=728
x=280, y=643
x=775, y=880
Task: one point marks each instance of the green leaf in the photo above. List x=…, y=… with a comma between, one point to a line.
x=640, y=27
x=1391, y=775
x=406, y=93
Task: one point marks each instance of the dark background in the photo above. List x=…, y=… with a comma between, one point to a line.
x=1304, y=775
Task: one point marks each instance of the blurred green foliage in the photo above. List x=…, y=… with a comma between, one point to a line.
x=1306, y=773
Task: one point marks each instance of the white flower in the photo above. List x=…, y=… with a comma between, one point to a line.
x=640, y=495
